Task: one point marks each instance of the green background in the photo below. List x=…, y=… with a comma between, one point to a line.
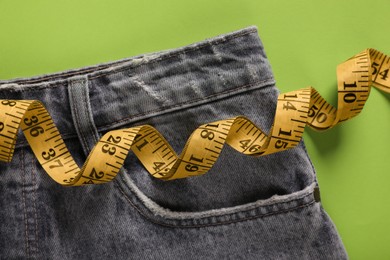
x=304, y=40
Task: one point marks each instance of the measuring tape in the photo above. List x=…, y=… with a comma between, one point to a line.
x=294, y=111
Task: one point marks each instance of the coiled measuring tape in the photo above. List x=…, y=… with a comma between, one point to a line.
x=294, y=111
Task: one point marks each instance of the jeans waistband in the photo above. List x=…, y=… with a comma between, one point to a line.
x=139, y=87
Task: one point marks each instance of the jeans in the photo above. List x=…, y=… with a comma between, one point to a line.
x=244, y=208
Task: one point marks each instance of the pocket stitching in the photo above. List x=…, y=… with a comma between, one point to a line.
x=180, y=225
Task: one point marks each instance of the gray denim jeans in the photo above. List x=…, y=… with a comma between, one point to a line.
x=243, y=208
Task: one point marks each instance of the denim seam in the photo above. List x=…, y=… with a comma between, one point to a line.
x=255, y=208
x=311, y=163
x=27, y=245
x=214, y=224
x=34, y=195
x=164, y=56
x=236, y=89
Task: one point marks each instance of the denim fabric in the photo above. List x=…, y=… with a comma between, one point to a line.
x=243, y=208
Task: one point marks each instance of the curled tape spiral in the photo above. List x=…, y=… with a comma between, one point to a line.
x=294, y=111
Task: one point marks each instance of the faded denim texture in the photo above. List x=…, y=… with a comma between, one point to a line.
x=243, y=208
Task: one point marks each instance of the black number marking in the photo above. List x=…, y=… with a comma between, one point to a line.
x=35, y=131
x=59, y=164
x=191, y=168
x=139, y=147
x=213, y=125
x=96, y=175
x=206, y=134
x=353, y=85
x=10, y=103
x=70, y=180
x=290, y=96
x=312, y=111
x=113, y=139
x=349, y=98
x=254, y=148
x=288, y=106
x=374, y=66
x=280, y=144
x=321, y=117
x=245, y=143
x=108, y=149
x=47, y=155
x=157, y=165
x=30, y=121
x=192, y=158
x=384, y=74
x=281, y=132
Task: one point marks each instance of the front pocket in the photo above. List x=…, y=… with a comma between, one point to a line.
x=237, y=186
x=277, y=204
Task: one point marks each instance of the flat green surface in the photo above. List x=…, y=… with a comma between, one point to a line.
x=304, y=40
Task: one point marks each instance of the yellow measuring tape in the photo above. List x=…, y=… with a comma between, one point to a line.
x=294, y=111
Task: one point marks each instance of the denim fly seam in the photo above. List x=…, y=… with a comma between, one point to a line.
x=244, y=207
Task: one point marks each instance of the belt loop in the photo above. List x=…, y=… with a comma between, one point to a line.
x=81, y=112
